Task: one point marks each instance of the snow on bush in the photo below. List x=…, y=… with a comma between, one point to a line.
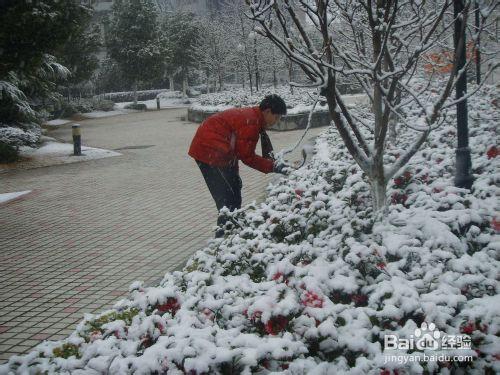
x=170, y=95
x=126, y=96
x=28, y=135
x=301, y=98
x=309, y=282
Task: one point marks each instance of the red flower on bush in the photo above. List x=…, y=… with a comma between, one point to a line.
x=95, y=335
x=399, y=198
x=172, y=306
x=311, y=299
x=398, y=181
x=276, y=325
x=359, y=299
x=389, y=372
x=468, y=328
x=255, y=316
x=493, y=152
x=209, y=314
x=277, y=276
x=146, y=341
x=161, y=327
x=381, y=265
x=280, y=277
x=299, y=192
x=265, y=363
x=424, y=178
x=495, y=224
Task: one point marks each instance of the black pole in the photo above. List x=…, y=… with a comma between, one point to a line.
x=77, y=139
x=463, y=175
x=477, y=49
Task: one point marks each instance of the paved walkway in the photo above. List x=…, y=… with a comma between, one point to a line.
x=88, y=230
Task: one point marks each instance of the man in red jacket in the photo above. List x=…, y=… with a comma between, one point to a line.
x=229, y=136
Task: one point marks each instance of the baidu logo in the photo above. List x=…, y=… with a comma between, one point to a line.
x=427, y=337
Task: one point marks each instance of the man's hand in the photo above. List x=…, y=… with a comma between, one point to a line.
x=282, y=168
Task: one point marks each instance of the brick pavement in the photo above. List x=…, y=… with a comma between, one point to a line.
x=88, y=230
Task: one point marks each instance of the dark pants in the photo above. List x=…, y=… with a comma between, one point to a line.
x=224, y=185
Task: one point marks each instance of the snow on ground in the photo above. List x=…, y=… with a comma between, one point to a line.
x=311, y=281
x=57, y=122
x=64, y=151
x=10, y=196
x=52, y=152
x=100, y=114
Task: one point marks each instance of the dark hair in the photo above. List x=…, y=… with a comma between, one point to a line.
x=274, y=103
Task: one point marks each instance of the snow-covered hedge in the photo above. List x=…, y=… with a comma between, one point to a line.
x=309, y=283
x=300, y=101
x=127, y=96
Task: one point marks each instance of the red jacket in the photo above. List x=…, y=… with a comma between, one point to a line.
x=229, y=136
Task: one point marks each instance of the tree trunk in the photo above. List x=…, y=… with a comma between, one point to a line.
x=250, y=77
x=207, y=75
x=477, y=51
x=463, y=174
x=273, y=61
x=256, y=63
x=134, y=87
x=171, y=82
x=290, y=76
x=184, y=84
x=392, y=129
x=221, y=78
x=378, y=190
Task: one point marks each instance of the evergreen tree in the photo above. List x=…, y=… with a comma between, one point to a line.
x=134, y=41
x=79, y=56
x=183, y=35
x=31, y=33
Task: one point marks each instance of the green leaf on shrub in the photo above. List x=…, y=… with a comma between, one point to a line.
x=66, y=350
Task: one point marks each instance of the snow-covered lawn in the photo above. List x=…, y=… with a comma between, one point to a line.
x=5, y=197
x=309, y=282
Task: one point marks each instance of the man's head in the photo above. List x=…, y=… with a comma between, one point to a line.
x=272, y=108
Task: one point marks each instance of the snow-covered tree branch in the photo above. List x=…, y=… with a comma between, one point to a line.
x=385, y=46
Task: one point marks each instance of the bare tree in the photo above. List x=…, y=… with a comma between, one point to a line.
x=217, y=50
x=383, y=49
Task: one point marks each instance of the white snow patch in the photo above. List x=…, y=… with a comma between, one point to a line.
x=66, y=150
x=57, y=122
x=10, y=196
